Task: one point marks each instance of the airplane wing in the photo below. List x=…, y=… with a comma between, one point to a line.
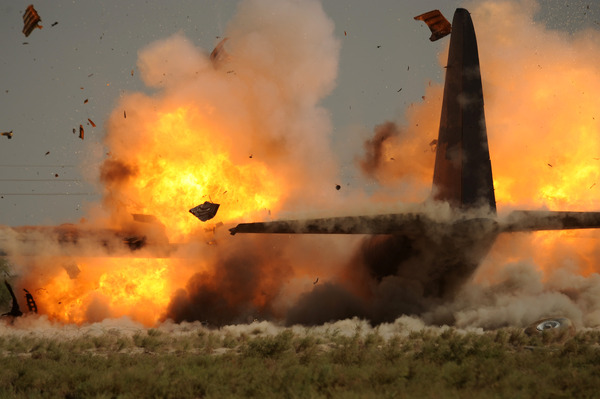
x=400, y=223
x=520, y=221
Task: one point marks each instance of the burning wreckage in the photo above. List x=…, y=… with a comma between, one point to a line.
x=15, y=310
x=31, y=20
x=437, y=255
x=440, y=255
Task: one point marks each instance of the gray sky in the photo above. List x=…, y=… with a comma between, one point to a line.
x=92, y=50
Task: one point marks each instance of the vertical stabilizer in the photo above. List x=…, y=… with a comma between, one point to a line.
x=463, y=171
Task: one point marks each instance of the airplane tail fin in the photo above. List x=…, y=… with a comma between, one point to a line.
x=463, y=171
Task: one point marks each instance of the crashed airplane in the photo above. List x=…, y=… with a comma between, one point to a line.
x=440, y=255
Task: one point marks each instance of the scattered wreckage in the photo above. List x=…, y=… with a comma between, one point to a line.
x=142, y=232
x=205, y=211
x=15, y=310
x=31, y=20
x=558, y=327
x=7, y=134
x=437, y=23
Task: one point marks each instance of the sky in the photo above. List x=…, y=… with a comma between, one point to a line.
x=84, y=60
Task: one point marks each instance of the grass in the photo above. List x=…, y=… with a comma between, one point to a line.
x=194, y=362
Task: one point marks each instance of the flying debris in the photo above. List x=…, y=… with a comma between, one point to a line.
x=124, y=114
x=337, y=187
x=205, y=211
x=7, y=134
x=438, y=25
x=85, y=101
x=31, y=19
x=91, y=122
x=54, y=23
x=81, y=132
x=30, y=301
x=433, y=145
x=316, y=281
x=15, y=311
x=219, y=54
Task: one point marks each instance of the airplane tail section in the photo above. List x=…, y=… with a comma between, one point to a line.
x=463, y=171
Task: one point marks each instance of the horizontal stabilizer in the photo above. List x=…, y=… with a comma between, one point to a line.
x=402, y=223
x=547, y=220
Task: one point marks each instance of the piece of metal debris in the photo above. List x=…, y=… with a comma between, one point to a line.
x=205, y=211
x=436, y=22
x=219, y=54
x=91, y=122
x=124, y=114
x=316, y=281
x=30, y=301
x=7, y=134
x=81, y=132
x=15, y=311
x=31, y=20
x=54, y=23
x=338, y=187
x=560, y=328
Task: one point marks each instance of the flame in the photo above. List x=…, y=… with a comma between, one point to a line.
x=195, y=166
x=117, y=287
x=183, y=162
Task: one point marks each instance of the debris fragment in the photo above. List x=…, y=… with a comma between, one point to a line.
x=31, y=20
x=436, y=22
x=91, y=122
x=337, y=187
x=47, y=152
x=85, y=101
x=144, y=218
x=15, y=311
x=433, y=145
x=205, y=211
x=550, y=165
x=56, y=175
x=132, y=72
x=316, y=281
x=219, y=54
x=81, y=132
x=124, y=114
x=7, y=134
x=345, y=34
x=54, y=23
x=250, y=156
x=72, y=270
x=560, y=328
x=31, y=305
x=74, y=131
x=399, y=90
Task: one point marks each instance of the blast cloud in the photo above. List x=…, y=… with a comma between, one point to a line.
x=281, y=60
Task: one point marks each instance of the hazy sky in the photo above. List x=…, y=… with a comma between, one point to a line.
x=46, y=176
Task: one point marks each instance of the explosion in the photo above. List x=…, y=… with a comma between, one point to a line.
x=246, y=130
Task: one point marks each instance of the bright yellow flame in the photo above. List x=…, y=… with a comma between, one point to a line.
x=190, y=166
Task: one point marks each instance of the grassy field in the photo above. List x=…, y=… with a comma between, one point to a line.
x=347, y=359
